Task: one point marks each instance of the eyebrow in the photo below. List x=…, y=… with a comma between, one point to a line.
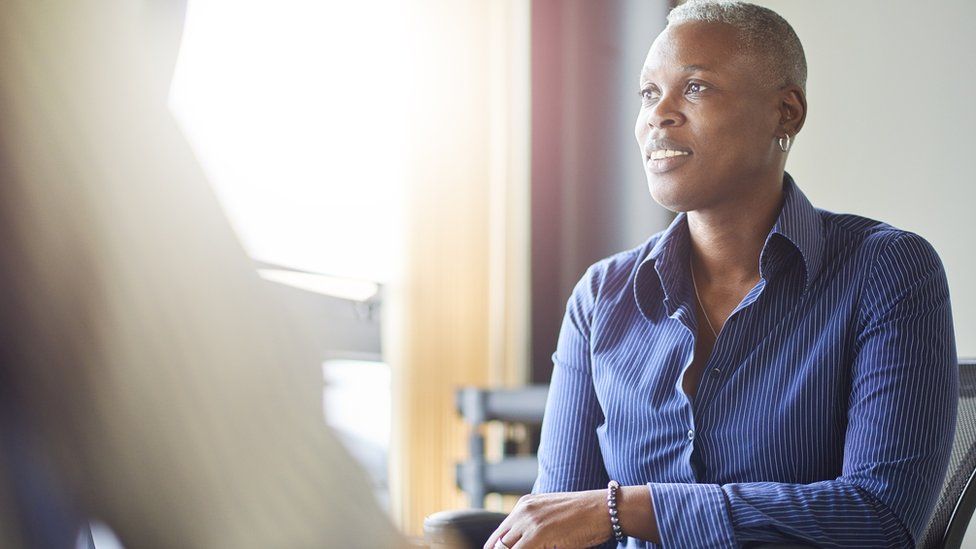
x=693, y=68
x=687, y=68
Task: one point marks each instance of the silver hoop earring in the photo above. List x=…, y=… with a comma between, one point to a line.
x=786, y=147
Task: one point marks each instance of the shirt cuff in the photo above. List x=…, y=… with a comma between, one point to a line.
x=692, y=515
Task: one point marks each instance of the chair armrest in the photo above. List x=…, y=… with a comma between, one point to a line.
x=470, y=528
x=781, y=546
x=460, y=529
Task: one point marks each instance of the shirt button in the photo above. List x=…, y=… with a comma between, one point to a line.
x=691, y=434
x=716, y=372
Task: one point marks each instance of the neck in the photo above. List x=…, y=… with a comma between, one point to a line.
x=726, y=240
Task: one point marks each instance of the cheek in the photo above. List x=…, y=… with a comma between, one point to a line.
x=754, y=129
x=640, y=128
x=738, y=141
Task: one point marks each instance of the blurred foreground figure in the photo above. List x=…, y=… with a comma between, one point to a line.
x=144, y=380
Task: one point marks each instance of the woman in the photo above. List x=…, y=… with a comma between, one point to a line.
x=761, y=371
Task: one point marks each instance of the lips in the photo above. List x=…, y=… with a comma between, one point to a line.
x=661, y=148
x=667, y=153
x=663, y=155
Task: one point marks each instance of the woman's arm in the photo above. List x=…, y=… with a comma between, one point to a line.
x=569, y=451
x=568, y=507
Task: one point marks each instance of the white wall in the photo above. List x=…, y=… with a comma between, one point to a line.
x=889, y=134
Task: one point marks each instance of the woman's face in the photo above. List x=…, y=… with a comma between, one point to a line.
x=704, y=99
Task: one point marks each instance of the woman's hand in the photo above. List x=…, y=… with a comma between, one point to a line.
x=563, y=519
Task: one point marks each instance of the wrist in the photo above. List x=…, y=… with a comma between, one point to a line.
x=613, y=490
x=636, y=512
x=597, y=503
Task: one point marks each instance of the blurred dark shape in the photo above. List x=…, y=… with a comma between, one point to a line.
x=146, y=379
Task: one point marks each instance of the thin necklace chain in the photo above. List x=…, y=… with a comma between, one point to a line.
x=691, y=267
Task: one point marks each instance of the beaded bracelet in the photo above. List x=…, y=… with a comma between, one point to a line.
x=612, y=488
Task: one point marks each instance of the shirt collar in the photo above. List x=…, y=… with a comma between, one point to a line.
x=799, y=224
x=669, y=258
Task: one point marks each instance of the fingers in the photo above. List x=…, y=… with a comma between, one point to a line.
x=523, y=542
x=495, y=536
x=510, y=540
x=506, y=535
x=510, y=531
x=503, y=538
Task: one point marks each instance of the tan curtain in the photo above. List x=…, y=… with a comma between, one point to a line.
x=459, y=314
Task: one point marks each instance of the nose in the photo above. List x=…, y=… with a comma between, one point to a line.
x=665, y=113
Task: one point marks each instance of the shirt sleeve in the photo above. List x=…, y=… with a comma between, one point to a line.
x=569, y=452
x=901, y=422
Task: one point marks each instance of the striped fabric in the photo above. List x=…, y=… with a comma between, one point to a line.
x=825, y=414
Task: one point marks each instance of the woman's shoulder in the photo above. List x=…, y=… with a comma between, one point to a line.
x=622, y=263
x=614, y=274
x=879, y=249
x=870, y=237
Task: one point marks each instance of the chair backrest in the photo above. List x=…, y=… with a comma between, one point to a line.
x=958, y=498
x=513, y=475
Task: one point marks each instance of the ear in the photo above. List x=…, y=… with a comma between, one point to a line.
x=792, y=109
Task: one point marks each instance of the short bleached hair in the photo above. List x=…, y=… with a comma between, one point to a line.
x=762, y=33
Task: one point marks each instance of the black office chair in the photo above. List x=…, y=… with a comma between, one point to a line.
x=469, y=528
x=948, y=524
x=512, y=474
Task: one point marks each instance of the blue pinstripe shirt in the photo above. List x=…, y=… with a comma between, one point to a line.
x=827, y=408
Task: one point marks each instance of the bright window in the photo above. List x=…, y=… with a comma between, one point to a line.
x=292, y=107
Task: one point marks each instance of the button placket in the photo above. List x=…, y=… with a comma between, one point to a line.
x=723, y=354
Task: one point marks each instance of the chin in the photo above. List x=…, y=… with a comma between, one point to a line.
x=673, y=194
